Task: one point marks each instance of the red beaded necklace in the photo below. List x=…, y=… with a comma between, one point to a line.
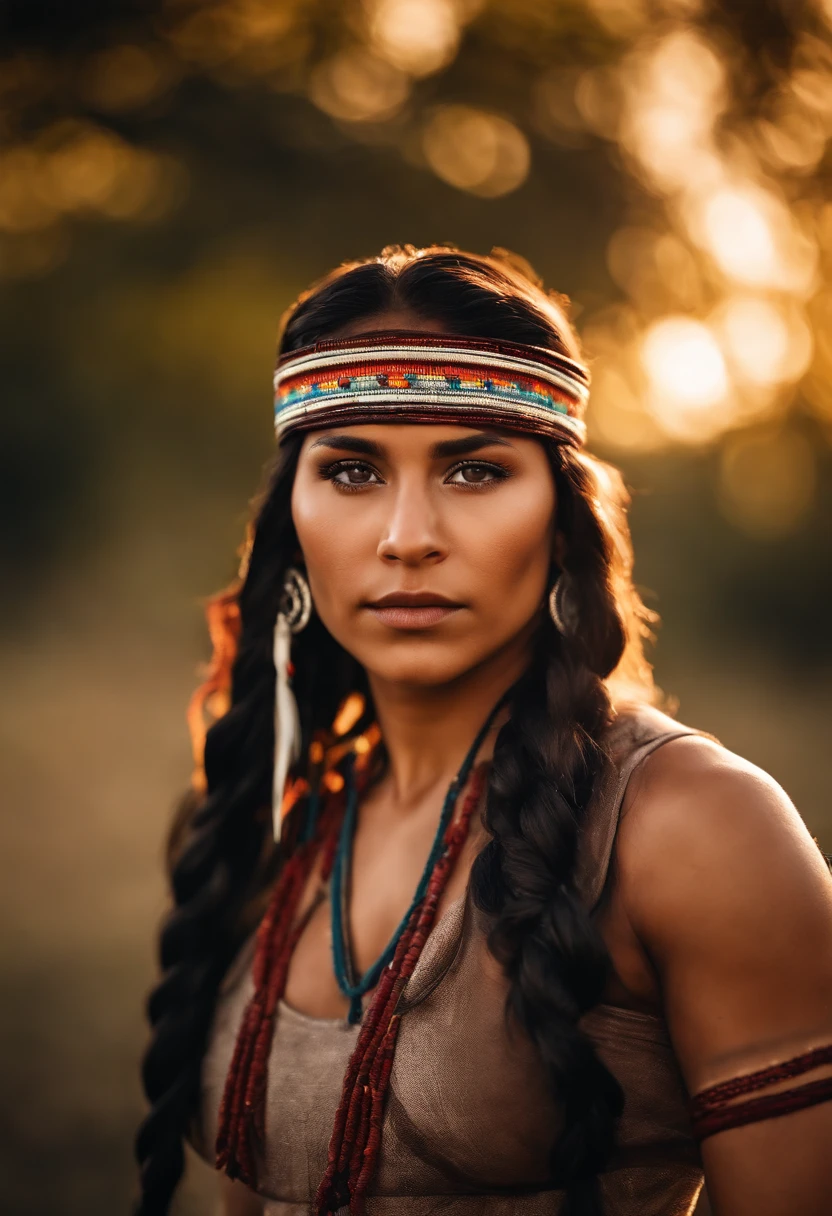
x=356, y=1135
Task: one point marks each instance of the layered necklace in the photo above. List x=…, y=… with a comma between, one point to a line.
x=356, y=1135
x=353, y=987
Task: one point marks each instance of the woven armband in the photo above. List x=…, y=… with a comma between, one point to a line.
x=714, y=1109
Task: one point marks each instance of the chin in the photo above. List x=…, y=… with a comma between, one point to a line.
x=419, y=668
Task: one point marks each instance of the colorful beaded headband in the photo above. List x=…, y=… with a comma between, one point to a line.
x=419, y=377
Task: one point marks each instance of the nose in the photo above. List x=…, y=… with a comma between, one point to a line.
x=413, y=532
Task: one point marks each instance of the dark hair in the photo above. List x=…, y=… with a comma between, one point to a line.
x=546, y=760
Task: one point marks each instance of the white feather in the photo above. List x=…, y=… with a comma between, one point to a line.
x=286, y=719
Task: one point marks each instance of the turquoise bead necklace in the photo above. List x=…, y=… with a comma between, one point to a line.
x=352, y=987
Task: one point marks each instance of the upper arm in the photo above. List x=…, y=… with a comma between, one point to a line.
x=732, y=902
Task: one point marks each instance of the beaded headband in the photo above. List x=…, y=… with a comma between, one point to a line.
x=418, y=377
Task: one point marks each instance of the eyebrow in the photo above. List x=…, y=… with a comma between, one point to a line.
x=448, y=447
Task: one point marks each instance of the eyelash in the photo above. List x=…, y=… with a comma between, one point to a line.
x=330, y=472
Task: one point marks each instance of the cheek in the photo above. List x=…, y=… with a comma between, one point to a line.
x=331, y=539
x=512, y=549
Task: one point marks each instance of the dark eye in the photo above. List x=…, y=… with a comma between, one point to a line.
x=473, y=474
x=351, y=474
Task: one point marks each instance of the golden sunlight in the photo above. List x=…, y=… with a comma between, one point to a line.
x=687, y=378
x=476, y=151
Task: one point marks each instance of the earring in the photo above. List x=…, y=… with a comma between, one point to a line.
x=562, y=607
x=292, y=616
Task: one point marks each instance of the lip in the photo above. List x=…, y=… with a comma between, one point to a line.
x=413, y=609
x=413, y=599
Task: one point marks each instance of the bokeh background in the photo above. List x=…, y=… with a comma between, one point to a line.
x=172, y=173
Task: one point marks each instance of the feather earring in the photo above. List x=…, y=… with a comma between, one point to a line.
x=293, y=615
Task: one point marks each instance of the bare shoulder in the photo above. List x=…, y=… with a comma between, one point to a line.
x=732, y=901
x=694, y=799
x=694, y=807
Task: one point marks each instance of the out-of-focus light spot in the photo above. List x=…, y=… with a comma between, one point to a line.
x=684, y=362
x=687, y=378
x=810, y=87
x=753, y=238
x=763, y=342
x=673, y=95
x=476, y=151
x=598, y=100
x=555, y=111
x=655, y=268
x=237, y=40
x=358, y=87
x=796, y=141
x=823, y=226
x=767, y=482
x=624, y=18
x=617, y=417
x=417, y=36
x=679, y=271
x=817, y=386
x=124, y=78
x=97, y=171
x=207, y=37
x=351, y=709
x=77, y=167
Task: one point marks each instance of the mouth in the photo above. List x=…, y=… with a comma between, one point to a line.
x=413, y=609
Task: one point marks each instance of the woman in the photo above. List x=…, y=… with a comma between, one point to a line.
x=524, y=943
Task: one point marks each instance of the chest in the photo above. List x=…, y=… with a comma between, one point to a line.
x=385, y=872
x=469, y=1108
x=383, y=882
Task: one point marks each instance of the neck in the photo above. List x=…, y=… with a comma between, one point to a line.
x=427, y=730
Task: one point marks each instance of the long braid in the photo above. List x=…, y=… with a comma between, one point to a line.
x=547, y=759
x=215, y=868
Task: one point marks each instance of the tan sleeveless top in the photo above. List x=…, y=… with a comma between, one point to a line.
x=469, y=1123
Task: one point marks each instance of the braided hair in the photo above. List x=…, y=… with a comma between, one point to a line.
x=221, y=859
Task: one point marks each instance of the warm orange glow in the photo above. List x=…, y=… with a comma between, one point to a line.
x=127, y=76
x=417, y=36
x=294, y=792
x=348, y=714
x=751, y=236
x=357, y=86
x=674, y=91
x=76, y=168
x=765, y=343
x=621, y=17
x=476, y=151
x=687, y=378
x=212, y=698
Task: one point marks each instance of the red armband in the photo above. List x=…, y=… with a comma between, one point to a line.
x=713, y=1110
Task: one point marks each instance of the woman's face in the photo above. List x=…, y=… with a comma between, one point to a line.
x=459, y=519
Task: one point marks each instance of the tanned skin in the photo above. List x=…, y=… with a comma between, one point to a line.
x=720, y=910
